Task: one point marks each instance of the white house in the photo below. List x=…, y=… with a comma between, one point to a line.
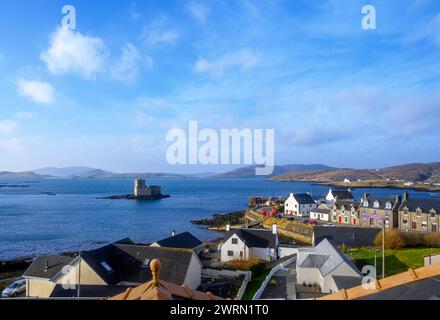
x=246, y=244
x=299, y=204
x=320, y=214
x=326, y=266
x=339, y=194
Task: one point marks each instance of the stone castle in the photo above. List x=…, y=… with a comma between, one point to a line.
x=142, y=190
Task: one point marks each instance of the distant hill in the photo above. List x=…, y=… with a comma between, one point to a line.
x=96, y=174
x=249, y=171
x=416, y=172
x=19, y=175
x=65, y=172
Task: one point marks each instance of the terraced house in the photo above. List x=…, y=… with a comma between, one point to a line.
x=420, y=215
x=375, y=211
x=346, y=212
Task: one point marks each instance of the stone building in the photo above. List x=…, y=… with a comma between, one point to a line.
x=143, y=190
x=421, y=215
x=346, y=212
x=375, y=211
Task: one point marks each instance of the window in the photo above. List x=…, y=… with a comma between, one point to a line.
x=366, y=204
x=376, y=204
x=418, y=212
x=434, y=227
x=405, y=222
x=234, y=241
x=106, y=266
x=241, y=254
x=405, y=211
x=433, y=214
x=346, y=219
x=389, y=205
x=424, y=224
x=414, y=224
x=230, y=253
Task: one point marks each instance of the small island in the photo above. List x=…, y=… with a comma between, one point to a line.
x=141, y=192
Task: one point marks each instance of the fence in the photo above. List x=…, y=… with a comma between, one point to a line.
x=269, y=276
x=215, y=273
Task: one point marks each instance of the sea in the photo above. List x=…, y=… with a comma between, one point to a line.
x=51, y=216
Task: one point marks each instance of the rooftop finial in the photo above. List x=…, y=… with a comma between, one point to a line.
x=155, y=270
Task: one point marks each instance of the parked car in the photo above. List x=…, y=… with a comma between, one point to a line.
x=329, y=225
x=15, y=289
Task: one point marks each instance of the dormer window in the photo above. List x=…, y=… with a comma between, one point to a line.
x=389, y=205
x=366, y=204
x=234, y=240
x=376, y=204
x=419, y=212
x=433, y=213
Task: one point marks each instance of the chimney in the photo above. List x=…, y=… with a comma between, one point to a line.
x=47, y=265
x=228, y=227
x=173, y=234
x=275, y=228
x=405, y=196
x=398, y=199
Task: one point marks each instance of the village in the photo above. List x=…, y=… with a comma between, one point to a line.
x=295, y=248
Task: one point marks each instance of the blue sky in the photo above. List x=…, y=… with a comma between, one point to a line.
x=106, y=94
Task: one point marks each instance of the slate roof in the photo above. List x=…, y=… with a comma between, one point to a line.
x=382, y=202
x=38, y=267
x=350, y=237
x=130, y=263
x=313, y=261
x=183, y=240
x=346, y=282
x=304, y=198
x=425, y=204
x=426, y=289
x=254, y=238
x=342, y=194
x=347, y=203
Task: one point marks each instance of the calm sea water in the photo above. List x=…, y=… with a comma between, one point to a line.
x=32, y=223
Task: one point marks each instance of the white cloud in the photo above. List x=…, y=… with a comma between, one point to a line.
x=11, y=145
x=433, y=30
x=126, y=69
x=25, y=115
x=198, y=10
x=7, y=126
x=243, y=59
x=40, y=92
x=155, y=33
x=72, y=52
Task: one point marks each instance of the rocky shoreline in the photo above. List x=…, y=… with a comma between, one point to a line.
x=218, y=220
x=133, y=197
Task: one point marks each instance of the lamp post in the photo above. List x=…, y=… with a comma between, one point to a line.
x=383, y=250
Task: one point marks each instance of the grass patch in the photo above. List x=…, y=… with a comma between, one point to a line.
x=396, y=261
x=254, y=285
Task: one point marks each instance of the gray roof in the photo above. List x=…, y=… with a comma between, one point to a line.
x=426, y=289
x=183, y=240
x=303, y=198
x=254, y=238
x=348, y=204
x=350, y=237
x=313, y=261
x=382, y=202
x=55, y=264
x=130, y=263
x=342, y=194
x=425, y=204
x=346, y=282
x=319, y=210
x=326, y=258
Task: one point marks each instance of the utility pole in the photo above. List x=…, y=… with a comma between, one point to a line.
x=79, y=275
x=383, y=249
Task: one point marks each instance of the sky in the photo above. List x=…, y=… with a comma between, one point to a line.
x=106, y=94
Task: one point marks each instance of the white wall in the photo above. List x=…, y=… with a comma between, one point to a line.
x=286, y=251
x=235, y=248
x=193, y=277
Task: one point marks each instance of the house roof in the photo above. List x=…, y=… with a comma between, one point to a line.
x=382, y=202
x=350, y=237
x=425, y=204
x=326, y=258
x=55, y=264
x=342, y=194
x=314, y=261
x=254, y=238
x=415, y=284
x=87, y=291
x=320, y=210
x=130, y=263
x=183, y=240
x=346, y=282
x=346, y=203
x=303, y=198
x=157, y=289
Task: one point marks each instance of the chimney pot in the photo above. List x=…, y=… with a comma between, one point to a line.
x=173, y=234
x=228, y=227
